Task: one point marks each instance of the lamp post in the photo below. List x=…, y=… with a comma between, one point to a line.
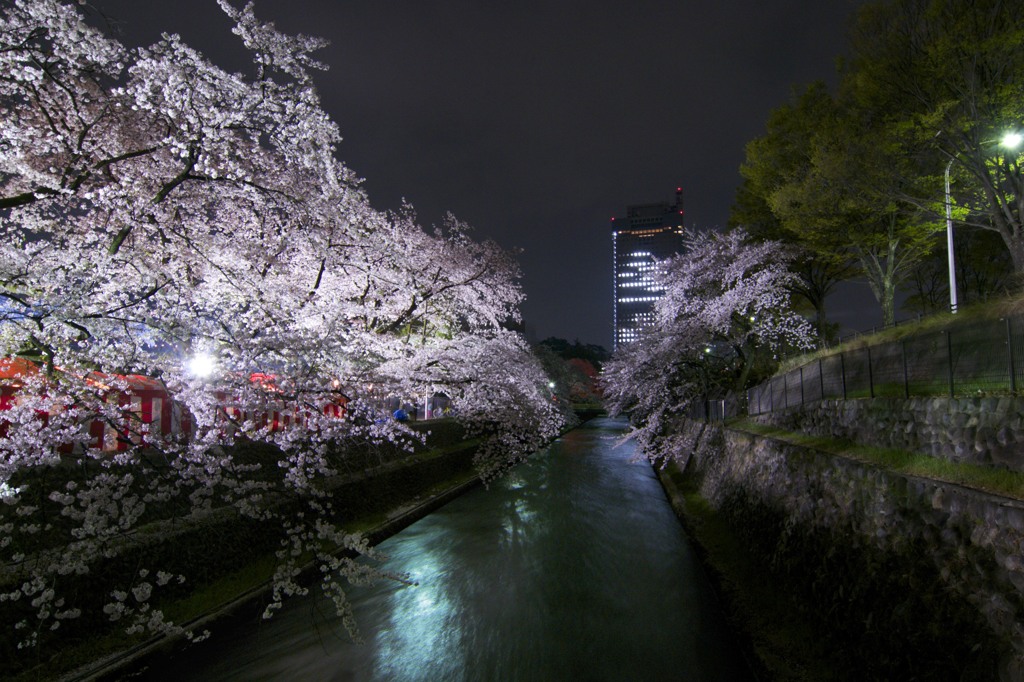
x=949, y=243
x=1009, y=141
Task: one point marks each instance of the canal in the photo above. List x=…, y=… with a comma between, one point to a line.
x=572, y=567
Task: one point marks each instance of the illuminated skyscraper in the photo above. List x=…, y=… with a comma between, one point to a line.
x=649, y=232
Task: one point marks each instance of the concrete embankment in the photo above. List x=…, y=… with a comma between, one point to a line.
x=840, y=569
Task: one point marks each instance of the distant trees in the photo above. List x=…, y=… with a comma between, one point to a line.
x=153, y=208
x=984, y=272
x=574, y=367
x=590, y=352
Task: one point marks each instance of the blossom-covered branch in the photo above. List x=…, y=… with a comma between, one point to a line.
x=725, y=306
x=156, y=209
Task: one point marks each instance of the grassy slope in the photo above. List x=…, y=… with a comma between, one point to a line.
x=984, y=478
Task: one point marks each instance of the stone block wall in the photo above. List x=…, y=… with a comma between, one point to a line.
x=909, y=569
x=980, y=430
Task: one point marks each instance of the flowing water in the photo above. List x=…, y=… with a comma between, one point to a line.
x=572, y=567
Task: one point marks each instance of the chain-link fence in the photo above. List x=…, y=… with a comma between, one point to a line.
x=717, y=409
x=981, y=358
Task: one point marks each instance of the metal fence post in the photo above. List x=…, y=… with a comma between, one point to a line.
x=906, y=378
x=1010, y=361
x=871, y=376
x=821, y=380
x=842, y=370
x=949, y=360
x=801, y=385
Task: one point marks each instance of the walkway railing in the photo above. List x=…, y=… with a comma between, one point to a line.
x=983, y=357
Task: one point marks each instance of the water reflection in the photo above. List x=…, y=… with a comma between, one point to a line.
x=571, y=567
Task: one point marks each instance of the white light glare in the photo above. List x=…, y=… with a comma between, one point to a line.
x=201, y=365
x=1012, y=140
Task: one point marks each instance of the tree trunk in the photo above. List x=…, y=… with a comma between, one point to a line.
x=820, y=322
x=1016, y=247
x=881, y=276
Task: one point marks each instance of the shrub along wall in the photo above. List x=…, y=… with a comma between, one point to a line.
x=980, y=430
x=907, y=578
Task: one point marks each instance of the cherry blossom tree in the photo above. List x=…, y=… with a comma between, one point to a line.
x=494, y=402
x=156, y=209
x=726, y=304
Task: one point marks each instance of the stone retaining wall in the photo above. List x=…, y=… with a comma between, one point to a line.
x=903, y=571
x=980, y=430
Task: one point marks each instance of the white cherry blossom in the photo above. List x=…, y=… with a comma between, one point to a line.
x=726, y=303
x=154, y=207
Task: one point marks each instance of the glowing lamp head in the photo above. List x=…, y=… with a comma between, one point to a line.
x=201, y=365
x=1012, y=140
x=551, y=384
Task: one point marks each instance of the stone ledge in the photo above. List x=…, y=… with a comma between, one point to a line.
x=987, y=431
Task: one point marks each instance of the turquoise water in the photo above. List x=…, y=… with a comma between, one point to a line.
x=572, y=567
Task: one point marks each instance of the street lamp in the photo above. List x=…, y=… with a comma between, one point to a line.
x=949, y=242
x=1010, y=141
x=201, y=365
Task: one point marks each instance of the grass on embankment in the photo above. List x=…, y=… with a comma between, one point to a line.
x=988, y=479
x=1012, y=305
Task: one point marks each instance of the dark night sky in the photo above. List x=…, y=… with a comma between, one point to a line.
x=536, y=121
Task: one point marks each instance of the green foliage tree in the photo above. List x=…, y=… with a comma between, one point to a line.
x=930, y=89
x=831, y=172
x=950, y=76
x=780, y=157
x=857, y=184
